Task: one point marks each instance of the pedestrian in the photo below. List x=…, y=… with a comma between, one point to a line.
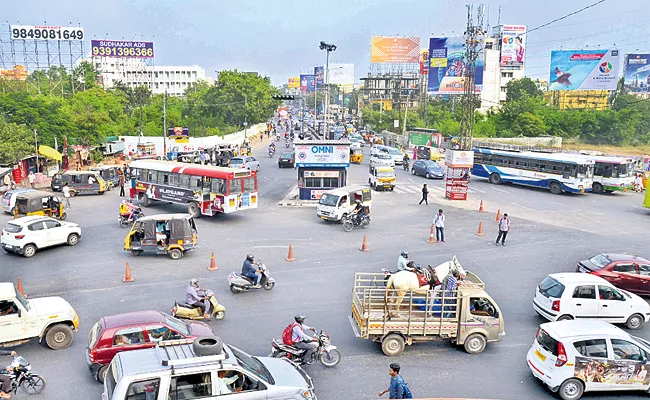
x=397, y=388
x=122, y=182
x=32, y=179
x=504, y=228
x=450, y=284
x=261, y=136
x=439, y=223
x=425, y=194
x=66, y=195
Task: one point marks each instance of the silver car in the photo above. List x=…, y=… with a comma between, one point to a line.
x=248, y=162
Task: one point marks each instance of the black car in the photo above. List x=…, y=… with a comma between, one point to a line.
x=287, y=160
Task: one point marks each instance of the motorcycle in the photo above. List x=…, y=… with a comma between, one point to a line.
x=350, y=221
x=277, y=137
x=405, y=165
x=185, y=311
x=129, y=213
x=326, y=353
x=271, y=151
x=286, y=143
x=22, y=377
x=240, y=283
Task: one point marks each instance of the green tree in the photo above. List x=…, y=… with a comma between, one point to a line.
x=16, y=142
x=518, y=89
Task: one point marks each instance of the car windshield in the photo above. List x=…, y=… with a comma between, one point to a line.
x=252, y=365
x=642, y=341
x=383, y=156
x=329, y=199
x=236, y=161
x=12, y=228
x=287, y=155
x=551, y=288
x=177, y=325
x=386, y=174
x=431, y=164
x=94, y=334
x=600, y=260
x=547, y=342
x=7, y=195
x=395, y=152
x=22, y=300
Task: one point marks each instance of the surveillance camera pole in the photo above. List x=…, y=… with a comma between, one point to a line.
x=327, y=48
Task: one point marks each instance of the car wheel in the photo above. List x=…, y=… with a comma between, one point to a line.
x=555, y=188
x=495, y=178
x=393, y=345
x=73, y=239
x=565, y=318
x=634, y=322
x=413, y=171
x=29, y=250
x=427, y=176
x=475, y=343
x=175, y=254
x=597, y=188
x=101, y=374
x=58, y=337
x=258, y=167
x=571, y=389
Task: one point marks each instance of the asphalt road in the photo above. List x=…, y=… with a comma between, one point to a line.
x=319, y=282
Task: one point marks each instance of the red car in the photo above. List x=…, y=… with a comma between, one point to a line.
x=133, y=331
x=625, y=271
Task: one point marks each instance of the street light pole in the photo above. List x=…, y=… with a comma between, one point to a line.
x=245, y=118
x=36, y=144
x=327, y=48
x=164, y=124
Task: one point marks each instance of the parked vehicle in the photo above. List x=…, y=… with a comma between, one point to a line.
x=239, y=283
x=381, y=178
x=185, y=311
x=39, y=203
x=427, y=168
x=22, y=377
x=9, y=199
x=337, y=203
x=326, y=353
x=110, y=175
x=80, y=182
x=624, y=271
x=246, y=162
x=171, y=234
x=27, y=235
x=287, y=159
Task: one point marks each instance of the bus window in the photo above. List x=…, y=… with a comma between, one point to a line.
x=183, y=181
x=195, y=182
x=585, y=171
x=236, y=186
x=607, y=173
x=173, y=179
x=249, y=185
x=218, y=185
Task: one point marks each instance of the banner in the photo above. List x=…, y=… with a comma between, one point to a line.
x=308, y=155
x=584, y=69
x=384, y=49
x=179, y=133
x=293, y=83
x=447, y=67
x=637, y=72
x=341, y=74
x=121, y=49
x=319, y=73
x=307, y=83
x=424, y=61
x=513, y=39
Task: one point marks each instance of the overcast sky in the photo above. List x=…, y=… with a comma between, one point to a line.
x=279, y=38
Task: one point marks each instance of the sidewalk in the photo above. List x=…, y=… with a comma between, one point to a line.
x=292, y=200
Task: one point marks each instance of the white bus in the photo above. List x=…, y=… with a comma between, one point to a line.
x=557, y=172
x=612, y=173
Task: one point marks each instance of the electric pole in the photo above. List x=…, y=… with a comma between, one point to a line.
x=164, y=124
x=474, y=44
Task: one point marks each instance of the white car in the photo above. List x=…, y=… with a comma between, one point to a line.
x=27, y=235
x=8, y=201
x=378, y=159
x=577, y=296
x=573, y=357
x=355, y=144
x=395, y=154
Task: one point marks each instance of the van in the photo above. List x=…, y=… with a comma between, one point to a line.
x=80, y=182
x=380, y=177
x=336, y=203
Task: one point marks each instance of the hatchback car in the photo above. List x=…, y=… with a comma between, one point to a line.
x=576, y=296
x=287, y=159
x=8, y=201
x=621, y=270
x=378, y=159
x=427, y=168
x=132, y=331
x=27, y=235
x=573, y=357
x=247, y=162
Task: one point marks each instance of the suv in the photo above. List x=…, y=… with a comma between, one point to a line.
x=27, y=235
x=132, y=331
x=247, y=162
x=573, y=357
x=574, y=295
x=203, y=368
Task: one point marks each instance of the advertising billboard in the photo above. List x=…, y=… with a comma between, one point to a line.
x=424, y=61
x=293, y=82
x=307, y=83
x=388, y=49
x=40, y=32
x=341, y=74
x=513, y=44
x=584, y=69
x=312, y=155
x=637, y=72
x=319, y=73
x=179, y=133
x=121, y=49
x=447, y=66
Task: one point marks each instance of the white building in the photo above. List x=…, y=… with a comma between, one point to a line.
x=495, y=75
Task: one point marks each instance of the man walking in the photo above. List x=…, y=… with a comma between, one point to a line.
x=425, y=194
x=122, y=182
x=32, y=179
x=504, y=227
x=439, y=222
x=66, y=195
x=396, y=385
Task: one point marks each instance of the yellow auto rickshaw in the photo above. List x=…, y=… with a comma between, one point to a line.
x=171, y=234
x=356, y=156
x=428, y=153
x=245, y=151
x=39, y=203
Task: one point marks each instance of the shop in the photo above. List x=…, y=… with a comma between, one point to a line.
x=322, y=166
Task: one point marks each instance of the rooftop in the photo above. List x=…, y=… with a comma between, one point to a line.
x=590, y=327
x=133, y=318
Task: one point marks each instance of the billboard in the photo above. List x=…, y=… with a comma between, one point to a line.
x=584, y=69
x=179, y=133
x=293, y=82
x=121, y=49
x=40, y=32
x=319, y=73
x=307, y=83
x=447, y=66
x=341, y=74
x=387, y=49
x=513, y=44
x=424, y=61
x=312, y=155
x=637, y=72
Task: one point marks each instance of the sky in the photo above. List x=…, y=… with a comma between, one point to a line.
x=280, y=38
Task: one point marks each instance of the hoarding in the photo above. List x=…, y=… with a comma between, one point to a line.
x=513, y=44
x=341, y=74
x=387, y=49
x=307, y=83
x=319, y=73
x=584, y=69
x=179, y=133
x=459, y=159
x=313, y=155
x=293, y=82
x=121, y=49
x=424, y=61
x=637, y=72
x=41, y=32
x=447, y=67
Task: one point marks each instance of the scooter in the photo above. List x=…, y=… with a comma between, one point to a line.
x=240, y=283
x=286, y=143
x=326, y=353
x=132, y=213
x=182, y=310
x=271, y=152
x=22, y=377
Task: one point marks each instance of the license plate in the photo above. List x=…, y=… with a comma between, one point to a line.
x=323, y=217
x=540, y=355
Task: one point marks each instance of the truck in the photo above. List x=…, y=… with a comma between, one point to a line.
x=467, y=316
x=51, y=319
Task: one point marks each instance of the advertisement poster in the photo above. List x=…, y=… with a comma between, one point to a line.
x=424, y=61
x=637, y=72
x=167, y=193
x=584, y=69
x=293, y=82
x=121, y=49
x=513, y=44
x=179, y=134
x=341, y=74
x=307, y=83
x=388, y=49
x=322, y=155
x=613, y=372
x=319, y=74
x=447, y=67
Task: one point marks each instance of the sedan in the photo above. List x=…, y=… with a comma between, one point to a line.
x=378, y=159
x=247, y=162
x=27, y=235
x=287, y=160
x=625, y=271
x=427, y=168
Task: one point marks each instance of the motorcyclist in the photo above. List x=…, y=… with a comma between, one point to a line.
x=301, y=340
x=358, y=212
x=250, y=271
x=272, y=148
x=405, y=161
x=195, y=297
x=402, y=260
x=5, y=378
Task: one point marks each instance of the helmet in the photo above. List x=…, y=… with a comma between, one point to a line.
x=194, y=282
x=357, y=201
x=300, y=318
x=405, y=254
x=250, y=257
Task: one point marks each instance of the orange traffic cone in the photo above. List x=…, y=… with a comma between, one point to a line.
x=364, y=245
x=127, y=275
x=480, y=229
x=498, y=215
x=213, y=265
x=20, y=287
x=290, y=256
x=431, y=239
x=480, y=208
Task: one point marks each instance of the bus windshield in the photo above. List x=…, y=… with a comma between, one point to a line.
x=585, y=171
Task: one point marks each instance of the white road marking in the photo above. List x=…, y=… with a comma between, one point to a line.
x=474, y=190
x=527, y=208
x=411, y=180
x=500, y=190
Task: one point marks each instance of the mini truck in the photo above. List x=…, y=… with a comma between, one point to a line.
x=47, y=318
x=470, y=317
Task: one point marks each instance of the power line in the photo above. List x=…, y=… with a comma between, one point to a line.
x=538, y=44
x=566, y=16
x=598, y=19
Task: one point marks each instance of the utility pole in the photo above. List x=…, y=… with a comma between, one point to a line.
x=38, y=163
x=474, y=42
x=327, y=48
x=164, y=123
x=245, y=118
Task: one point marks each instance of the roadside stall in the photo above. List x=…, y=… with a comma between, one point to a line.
x=322, y=166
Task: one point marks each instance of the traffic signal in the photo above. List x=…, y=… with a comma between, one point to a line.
x=284, y=97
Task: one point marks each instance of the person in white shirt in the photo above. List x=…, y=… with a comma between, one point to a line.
x=222, y=383
x=66, y=195
x=91, y=180
x=32, y=179
x=439, y=222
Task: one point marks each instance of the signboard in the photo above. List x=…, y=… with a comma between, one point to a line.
x=448, y=67
x=386, y=49
x=41, y=32
x=513, y=39
x=321, y=174
x=322, y=155
x=319, y=75
x=424, y=61
x=293, y=82
x=121, y=49
x=459, y=158
x=384, y=104
x=307, y=83
x=584, y=69
x=179, y=133
x=341, y=74
x=637, y=72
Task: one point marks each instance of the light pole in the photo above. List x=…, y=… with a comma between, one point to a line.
x=327, y=48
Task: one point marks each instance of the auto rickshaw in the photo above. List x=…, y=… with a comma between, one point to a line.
x=171, y=234
x=356, y=156
x=427, y=153
x=245, y=151
x=80, y=182
x=39, y=203
x=110, y=175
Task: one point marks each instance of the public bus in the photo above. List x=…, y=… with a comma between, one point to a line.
x=203, y=189
x=612, y=173
x=558, y=172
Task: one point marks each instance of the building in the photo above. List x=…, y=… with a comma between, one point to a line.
x=578, y=99
x=322, y=166
x=399, y=88
x=496, y=75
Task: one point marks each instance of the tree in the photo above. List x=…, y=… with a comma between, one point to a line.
x=15, y=142
x=518, y=89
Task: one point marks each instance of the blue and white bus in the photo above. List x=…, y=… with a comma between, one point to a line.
x=558, y=172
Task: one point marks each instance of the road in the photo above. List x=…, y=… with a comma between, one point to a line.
x=319, y=282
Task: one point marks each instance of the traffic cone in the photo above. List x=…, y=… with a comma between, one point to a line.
x=431, y=239
x=364, y=245
x=480, y=208
x=290, y=256
x=20, y=287
x=213, y=265
x=127, y=275
x=480, y=229
x=498, y=218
